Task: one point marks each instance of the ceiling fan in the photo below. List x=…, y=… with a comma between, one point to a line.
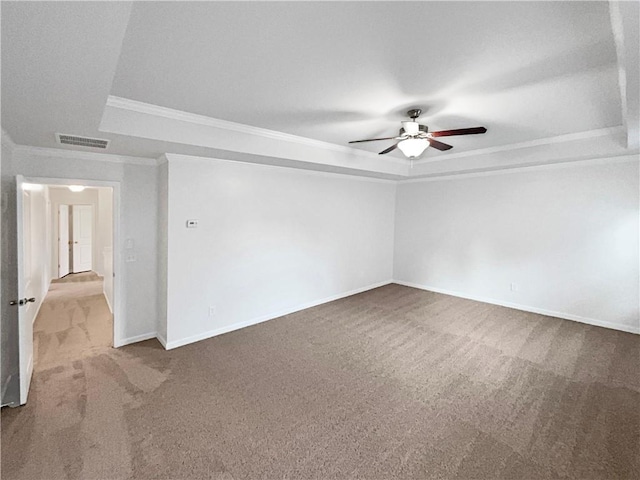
x=415, y=138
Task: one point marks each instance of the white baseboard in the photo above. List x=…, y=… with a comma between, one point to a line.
x=137, y=338
x=526, y=308
x=162, y=340
x=43, y=295
x=33, y=321
x=248, y=323
x=108, y=302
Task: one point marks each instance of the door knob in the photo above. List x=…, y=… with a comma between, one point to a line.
x=22, y=301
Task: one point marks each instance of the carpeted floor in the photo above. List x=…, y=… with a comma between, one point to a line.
x=74, y=322
x=391, y=383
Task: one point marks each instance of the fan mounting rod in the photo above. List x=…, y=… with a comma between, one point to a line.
x=414, y=113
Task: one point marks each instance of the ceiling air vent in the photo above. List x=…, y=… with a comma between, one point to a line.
x=82, y=141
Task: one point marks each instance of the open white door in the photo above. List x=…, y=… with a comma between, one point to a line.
x=63, y=240
x=26, y=299
x=82, y=229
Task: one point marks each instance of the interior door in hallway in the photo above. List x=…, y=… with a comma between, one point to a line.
x=26, y=297
x=82, y=218
x=63, y=240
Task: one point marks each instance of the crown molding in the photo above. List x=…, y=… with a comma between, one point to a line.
x=177, y=158
x=617, y=27
x=165, y=112
x=569, y=137
x=506, y=169
x=170, y=113
x=78, y=155
x=626, y=35
x=6, y=139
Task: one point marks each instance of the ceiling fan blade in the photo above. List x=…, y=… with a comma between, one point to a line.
x=459, y=131
x=390, y=149
x=439, y=145
x=372, y=140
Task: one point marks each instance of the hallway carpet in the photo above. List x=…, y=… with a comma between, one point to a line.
x=74, y=321
x=391, y=383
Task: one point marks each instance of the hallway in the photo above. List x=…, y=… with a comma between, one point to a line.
x=74, y=321
x=73, y=425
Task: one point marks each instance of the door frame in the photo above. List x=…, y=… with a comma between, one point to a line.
x=118, y=259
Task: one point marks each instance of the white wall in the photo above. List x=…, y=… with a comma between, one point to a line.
x=104, y=241
x=566, y=236
x=270, y=240
x=36, y=254
x=163, y=248
x=138, y=212
x=48, y=228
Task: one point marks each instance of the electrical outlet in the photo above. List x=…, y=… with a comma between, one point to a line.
x=514, y=287
x=212, y=311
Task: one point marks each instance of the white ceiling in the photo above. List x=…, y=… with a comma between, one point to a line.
x=329, y=71
x=341, y=71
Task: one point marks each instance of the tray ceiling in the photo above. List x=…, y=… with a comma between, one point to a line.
x=326, y=71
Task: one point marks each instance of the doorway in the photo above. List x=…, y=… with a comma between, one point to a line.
x=60, y=235
x=75, y=239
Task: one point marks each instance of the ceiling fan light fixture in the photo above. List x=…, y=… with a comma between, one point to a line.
x=415, y=138
x=413, y=147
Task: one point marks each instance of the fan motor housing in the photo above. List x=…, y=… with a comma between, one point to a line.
x=423, y=128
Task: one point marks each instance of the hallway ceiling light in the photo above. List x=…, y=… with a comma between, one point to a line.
x=76, y=188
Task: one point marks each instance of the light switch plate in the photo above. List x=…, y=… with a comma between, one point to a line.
x=192, y=223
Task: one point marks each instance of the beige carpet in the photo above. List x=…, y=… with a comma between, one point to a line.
x=74, y=321
x=391, y=383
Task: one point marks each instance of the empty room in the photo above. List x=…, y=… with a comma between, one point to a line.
x=320, y=240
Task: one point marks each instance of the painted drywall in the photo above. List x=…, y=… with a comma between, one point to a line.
x=48, y=227
x=269, y=240
x=36, y=249
x=138, y=223
x=566, y=237
x=104, y=239
x=163, y=247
